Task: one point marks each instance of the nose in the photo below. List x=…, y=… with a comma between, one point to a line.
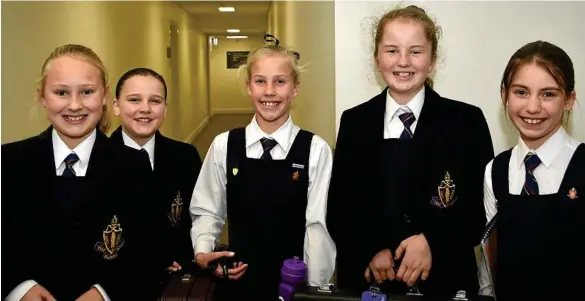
x=534, y=104
x=269, y=90
x=75, y=103
x=144, y=106
x=404, y=60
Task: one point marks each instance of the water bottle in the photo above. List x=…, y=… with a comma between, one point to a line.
x=293, y=275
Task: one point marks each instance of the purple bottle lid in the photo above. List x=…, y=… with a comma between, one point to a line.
x=294, y=266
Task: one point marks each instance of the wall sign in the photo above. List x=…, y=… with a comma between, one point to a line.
x=236, y=58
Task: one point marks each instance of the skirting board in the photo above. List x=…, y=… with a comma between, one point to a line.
x=197, y=130
x=205, y=121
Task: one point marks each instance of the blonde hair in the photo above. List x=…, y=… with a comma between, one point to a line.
x=87, y=55
x=268, y=50
x=412, y=12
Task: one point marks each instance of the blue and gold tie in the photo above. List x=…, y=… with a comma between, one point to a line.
x=69, y=161
x=531, y=161
x=407, y=120
x=267, y=144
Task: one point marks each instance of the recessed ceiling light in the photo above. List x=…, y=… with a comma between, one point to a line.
x=237, y=37
x=224, y=9
x=233, y=30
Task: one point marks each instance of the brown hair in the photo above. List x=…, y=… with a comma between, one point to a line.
x=550, y=57
x=412, y=12
x=273, y=49
x=87, y=55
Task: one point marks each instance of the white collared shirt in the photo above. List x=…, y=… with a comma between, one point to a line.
x=208, y=205
x=393, y=127
x=555, y=154
x=148, y=146
x=60, y=152
x=83, y=151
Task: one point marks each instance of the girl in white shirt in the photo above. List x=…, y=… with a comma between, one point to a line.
x=531, y=192
x=270, y=180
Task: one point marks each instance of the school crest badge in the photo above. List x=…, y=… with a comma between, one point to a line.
x=445, y=193
x=572, y=193
x=234, y=171
x=176, y=210
x=112, y=240
x=295, y=176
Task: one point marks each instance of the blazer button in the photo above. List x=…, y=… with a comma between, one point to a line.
x=406, y=218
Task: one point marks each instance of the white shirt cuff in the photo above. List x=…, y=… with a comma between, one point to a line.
x=203, y=247
x=18, y=292
x=102, y=292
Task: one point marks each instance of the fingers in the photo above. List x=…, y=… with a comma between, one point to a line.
x=401, y=270
x=413, y=277
x=424, y=275
x=367, y=274
x=390, y=274
x=375, y=272
x=216, y=255
x=234, y=273
x=400, y=250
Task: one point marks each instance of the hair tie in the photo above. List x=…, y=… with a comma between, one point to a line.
x=272, y=39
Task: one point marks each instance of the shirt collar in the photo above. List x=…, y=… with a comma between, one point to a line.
x=548, y=151
x=281, y=135
x=148, y=146
x=83, y=150
x=414, y=105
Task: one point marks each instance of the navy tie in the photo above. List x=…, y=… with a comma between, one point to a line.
x=407, y=120
x=267, y=144
x=69, y=161
x=531, y=161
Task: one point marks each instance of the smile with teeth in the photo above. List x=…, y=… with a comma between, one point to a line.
x=403, y=74
x=532, y=121
x=143, y=120
x=270, y=104
x=74, y=118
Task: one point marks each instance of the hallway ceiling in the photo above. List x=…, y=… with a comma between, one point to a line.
x=250, y=17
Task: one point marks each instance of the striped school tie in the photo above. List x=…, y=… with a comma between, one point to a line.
x=531, y=161
x=407, y=120
x=69, y=161
x=267, y=144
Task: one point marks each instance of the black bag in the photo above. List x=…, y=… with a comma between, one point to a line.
x=190, y=284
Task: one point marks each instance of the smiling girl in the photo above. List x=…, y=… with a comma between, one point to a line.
x=270, y=181
x=406, y=190
x=534, y=188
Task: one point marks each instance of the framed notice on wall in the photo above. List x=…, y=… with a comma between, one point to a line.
x=236, y=58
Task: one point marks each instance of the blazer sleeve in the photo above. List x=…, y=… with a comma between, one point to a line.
x=466, y=223
x=16, y=243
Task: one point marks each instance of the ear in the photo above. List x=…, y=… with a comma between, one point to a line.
x=296, y=90
x=432, y=66
x=571, y=101
x=377, y=64
x=116, y=107
x=503, y=96
x=106, y=91
x=41, y=98
x=165, y=116
x=248, y=88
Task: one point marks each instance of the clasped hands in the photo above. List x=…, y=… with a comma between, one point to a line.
x=39, y=293
x=416, y=262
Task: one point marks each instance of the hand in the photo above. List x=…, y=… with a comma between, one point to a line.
x=38, y=293
x=175, y=267
x=92, y=295
x=235, y=273
x=417, y=259
x=381, y=266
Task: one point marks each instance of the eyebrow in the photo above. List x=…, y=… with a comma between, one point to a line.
x=542, y=89
x=139, y=95
x=392, y=45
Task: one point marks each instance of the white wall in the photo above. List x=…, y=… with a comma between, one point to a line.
x=478, y=40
